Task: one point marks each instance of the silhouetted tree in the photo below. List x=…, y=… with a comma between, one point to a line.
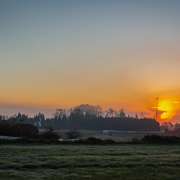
x=122, y=114
x=39, y=120
x=60, y=114
x=21, y=118
x=110, y=113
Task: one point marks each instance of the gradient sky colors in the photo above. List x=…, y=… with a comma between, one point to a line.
x=113, y=53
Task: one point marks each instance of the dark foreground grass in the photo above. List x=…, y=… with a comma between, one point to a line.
x=56, y=162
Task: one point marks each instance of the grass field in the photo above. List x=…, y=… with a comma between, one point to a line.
x=56, y=162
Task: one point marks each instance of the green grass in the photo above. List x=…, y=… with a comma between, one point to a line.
x=73, y=162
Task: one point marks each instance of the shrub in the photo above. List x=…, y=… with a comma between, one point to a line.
x=73, y=135
x=18, y=130
x=49, y=135
x=160, y=139
x=93, y=140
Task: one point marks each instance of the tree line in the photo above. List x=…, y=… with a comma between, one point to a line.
x=86, y=117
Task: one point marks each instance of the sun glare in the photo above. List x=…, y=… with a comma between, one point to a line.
x=167, y=109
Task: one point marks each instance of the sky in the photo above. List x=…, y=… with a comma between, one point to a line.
x=61, y=53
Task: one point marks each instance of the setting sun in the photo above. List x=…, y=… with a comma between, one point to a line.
x=167, y=108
